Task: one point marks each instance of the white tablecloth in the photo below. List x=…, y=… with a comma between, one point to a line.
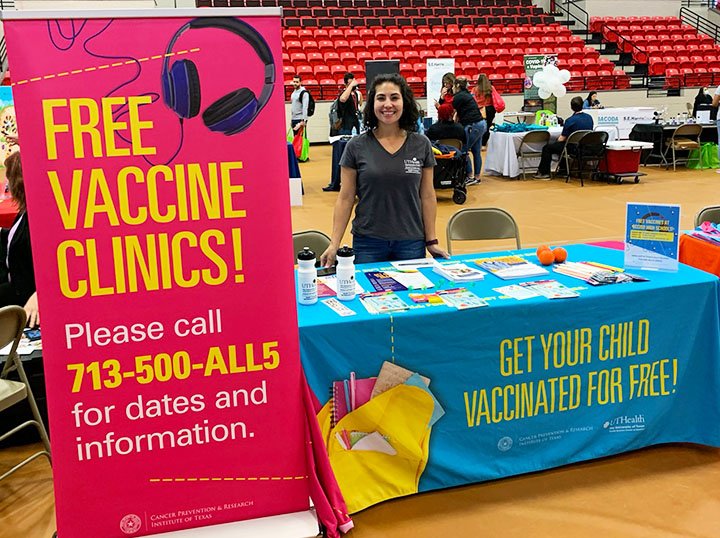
x=501, y=155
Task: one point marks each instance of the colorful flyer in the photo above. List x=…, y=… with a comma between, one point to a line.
x=153, y=162
x=651, y=236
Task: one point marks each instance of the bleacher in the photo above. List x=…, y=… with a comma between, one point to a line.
x=324, y=39
x=669, y=48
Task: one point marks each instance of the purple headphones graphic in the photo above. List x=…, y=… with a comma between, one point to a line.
x=232, y=113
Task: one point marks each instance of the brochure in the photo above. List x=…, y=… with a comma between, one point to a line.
x=517, y=292
x=552, y=289
x=327, y=286
x=461, y=298
x=381, y=302
x=398, y=280
x=512, y=266
x=458, y=272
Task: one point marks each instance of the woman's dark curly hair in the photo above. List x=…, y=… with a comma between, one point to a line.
x=411, y=112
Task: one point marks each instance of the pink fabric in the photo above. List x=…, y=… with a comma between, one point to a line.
x=617, y=245
x=324, y=490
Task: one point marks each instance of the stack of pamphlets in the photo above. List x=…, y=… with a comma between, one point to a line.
x=458, y=272
x=512, y=266
x=596, y=274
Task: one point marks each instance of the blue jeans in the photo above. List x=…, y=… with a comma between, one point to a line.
x=372, y=250
x=474, y=134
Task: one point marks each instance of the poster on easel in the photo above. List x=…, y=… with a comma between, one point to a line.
x=652, y=236
x=436, y=69
x=155, y=161
x=533, y=63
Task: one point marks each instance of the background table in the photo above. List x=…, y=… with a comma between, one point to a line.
x=638, y=387
x=700, y=254
x=622, y=118
x=501, y=155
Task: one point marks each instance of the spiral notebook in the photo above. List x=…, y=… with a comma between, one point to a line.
x=349, y=394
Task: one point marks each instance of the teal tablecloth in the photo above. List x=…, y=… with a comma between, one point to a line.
x=534, y=384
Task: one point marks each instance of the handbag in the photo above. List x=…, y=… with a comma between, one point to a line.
x=301, y=144
x=498, y=101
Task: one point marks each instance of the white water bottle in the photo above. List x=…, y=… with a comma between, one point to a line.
x=345, y=273
x=307, y=277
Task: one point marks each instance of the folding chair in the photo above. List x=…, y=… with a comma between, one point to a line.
x=710, y=213
x=317, y=241
x=570, y=146
x=12, y=323
x=685, y=138
x=590, y=150
x=531, y=147
x=475, y=224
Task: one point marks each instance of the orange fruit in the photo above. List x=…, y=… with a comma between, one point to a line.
x=541, y=248
x=546, y=257
x=560, y=254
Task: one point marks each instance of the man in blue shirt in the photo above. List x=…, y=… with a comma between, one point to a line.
x=579, y=121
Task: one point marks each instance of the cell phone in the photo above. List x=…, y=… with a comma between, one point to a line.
x=326, y=271
x=32, y=334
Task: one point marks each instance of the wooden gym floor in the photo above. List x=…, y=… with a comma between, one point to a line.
x=670, y=491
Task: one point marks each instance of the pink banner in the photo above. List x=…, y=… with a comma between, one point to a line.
x=157, y=187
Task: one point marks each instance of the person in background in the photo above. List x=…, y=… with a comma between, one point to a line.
x=389, y=168
x=579, y=121
x=483, y=97
x=349, y=103
x=472, y=120
x=715, y=102
x=299, y=101
x=447, y=90
x=703, y=97
x=446, y=126
x=592, y=101
x=17, y=275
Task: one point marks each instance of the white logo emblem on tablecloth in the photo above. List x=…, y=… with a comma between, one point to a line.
x=505, y=444
x=130, y=524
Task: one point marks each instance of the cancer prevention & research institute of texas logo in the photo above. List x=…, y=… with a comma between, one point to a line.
x=130, y=524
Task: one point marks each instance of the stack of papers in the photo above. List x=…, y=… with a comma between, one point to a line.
x=507, y=267
x=596, y=274
x=458, y=272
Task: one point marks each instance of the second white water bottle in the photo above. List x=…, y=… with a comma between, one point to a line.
x=345, y=273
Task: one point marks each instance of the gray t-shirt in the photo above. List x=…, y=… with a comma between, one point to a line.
x=388, y=186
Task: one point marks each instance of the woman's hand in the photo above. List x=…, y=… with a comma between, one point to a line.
x=33, y=311
x=327, y=258
x=436, y=251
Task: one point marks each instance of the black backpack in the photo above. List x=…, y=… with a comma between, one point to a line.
x=311, y=102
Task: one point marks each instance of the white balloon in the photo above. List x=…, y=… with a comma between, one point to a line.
x=564, y=75
x=543, y=93
x=560, y=92
x=551, y=69
x=539, y=79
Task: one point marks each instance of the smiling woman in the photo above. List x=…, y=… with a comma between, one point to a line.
x=390, y=169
